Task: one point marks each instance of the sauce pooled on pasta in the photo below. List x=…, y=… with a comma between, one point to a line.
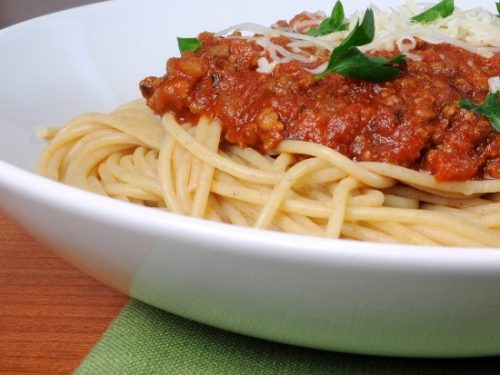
x=413, y=120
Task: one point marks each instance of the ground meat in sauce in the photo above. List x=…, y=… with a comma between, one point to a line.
x=413, y=120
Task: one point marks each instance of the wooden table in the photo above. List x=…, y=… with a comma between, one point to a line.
x=51, y=314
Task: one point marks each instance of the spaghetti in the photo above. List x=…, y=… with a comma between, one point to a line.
x=135, y=156
x=186, y=164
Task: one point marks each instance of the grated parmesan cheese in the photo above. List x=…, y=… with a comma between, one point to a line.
x=494, y=83
x=475, y=30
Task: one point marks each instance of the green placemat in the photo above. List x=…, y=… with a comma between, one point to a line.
x=146, y=340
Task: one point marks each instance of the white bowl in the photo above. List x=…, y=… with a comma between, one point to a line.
x=337, y=295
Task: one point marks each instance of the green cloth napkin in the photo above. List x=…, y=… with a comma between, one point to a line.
x=146, y=340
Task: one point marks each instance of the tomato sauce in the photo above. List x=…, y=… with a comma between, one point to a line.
x=413, y=120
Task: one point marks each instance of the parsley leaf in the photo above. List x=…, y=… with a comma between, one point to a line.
x=349, y=61
x=489, y=109
x=331, y=24
x=358, y=65
x=359, y=36
x=498, y=9
x=188, y=44
x=444, y=9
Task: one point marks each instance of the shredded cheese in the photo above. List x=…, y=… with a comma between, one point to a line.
x=475, y=30
x=494, y=83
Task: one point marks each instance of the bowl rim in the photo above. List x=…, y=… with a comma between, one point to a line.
x=53, y=16
x=253, y=241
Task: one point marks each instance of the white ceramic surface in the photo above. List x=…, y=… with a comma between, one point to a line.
x=337, y=295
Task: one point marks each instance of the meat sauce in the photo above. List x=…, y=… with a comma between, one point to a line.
x=413, y=120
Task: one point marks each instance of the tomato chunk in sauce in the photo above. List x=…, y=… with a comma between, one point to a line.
x=413, y=120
